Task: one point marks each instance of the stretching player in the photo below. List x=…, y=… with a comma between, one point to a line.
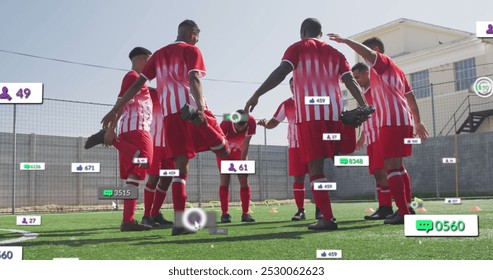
x=369, y=135
x=190, y=127
x=317, y=68
x=297, y=168
x=134, y=139
x=156, y=187
x=238, y=136
x=397, y=109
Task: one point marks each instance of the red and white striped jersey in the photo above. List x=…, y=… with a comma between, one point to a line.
x=170, y=66
x=287, y=109
x=157, y=131
x=137, y=112
x=235, y=138
x=317, y=68
x=370, y=127
x=389, y=87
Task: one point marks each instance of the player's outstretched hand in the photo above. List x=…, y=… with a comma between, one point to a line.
x=109, y=137
x=110, y=119
x=421, y=131
x=262, y=122
x=251, y=103
x=336, y=37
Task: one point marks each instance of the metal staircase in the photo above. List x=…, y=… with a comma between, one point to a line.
x=471, y=121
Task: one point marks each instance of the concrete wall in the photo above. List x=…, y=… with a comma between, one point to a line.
x=58, y=186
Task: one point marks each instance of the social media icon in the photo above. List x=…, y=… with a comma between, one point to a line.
x=79, y=168
x=425, y=225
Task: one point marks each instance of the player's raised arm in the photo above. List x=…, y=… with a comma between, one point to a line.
x=110, y=119
x=274, y=79
x=365, y=52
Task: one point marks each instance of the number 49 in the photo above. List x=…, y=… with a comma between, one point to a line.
x=23, y=93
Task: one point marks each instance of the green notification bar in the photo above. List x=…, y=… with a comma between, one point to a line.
x=343, y=161
x=108, y=193
x=425, y=225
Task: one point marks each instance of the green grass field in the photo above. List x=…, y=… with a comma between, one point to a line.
x=96, y=236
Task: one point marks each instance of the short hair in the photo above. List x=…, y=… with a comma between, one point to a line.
x=243, y=116
x=374, y=41
x=360, y=66
x=188, y=23
x=138, y=51
x=312, y=27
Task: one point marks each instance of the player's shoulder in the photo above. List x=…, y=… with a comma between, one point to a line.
x=251, y=119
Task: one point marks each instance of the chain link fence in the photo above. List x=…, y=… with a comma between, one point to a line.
x=55, y=132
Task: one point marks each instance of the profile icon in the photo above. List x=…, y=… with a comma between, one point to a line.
x=232, y=167
x=490, y=29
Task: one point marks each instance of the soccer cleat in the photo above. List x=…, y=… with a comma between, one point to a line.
x=395, y=219
x=247, y=218
x=318, y=214
x=148, y=220
x=134, y=226
x=189, y=113
x=180, y=231
x=160, y=220
x=300, y=215
x=95, y=139
x=381, y=213
x=324, y=225
x=226, y=218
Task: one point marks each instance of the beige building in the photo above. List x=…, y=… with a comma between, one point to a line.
x=441, y=65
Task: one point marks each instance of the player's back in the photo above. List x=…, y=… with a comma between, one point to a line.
x=172, y=65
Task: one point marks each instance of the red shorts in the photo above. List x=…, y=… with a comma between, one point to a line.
x=234, y=155
x=312, y=144
x=183, y=137
x=160, y=161
x=391, y=141
x=297, y=167
x=347, y=144
x=142, y=140
x=375, y=156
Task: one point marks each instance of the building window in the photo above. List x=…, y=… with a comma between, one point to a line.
x=465, y=73
x=420, y=83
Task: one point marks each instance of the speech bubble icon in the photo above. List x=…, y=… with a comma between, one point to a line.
x=343, y=160
x=108, y=193
x=27, y=166
x=426, y=225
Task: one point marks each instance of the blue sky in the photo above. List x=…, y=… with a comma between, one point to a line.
x=240, y=40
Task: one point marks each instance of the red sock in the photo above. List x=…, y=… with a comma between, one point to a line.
x=322, y=198
x=149, y=191
x=384, y=197
x=130, y=204
x=159, y=197
x=245, y=199
x=396, y=185
x=224, y=199
x=299, y=195
x=407, y=184
x=179, y=194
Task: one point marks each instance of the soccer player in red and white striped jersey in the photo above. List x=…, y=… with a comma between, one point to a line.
x=238, y=135
x=178, y=68
x=369, y=135
x=156, y=188
x=297, y=167
x=317, y=68
x=398, y=114
x=135, y=121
